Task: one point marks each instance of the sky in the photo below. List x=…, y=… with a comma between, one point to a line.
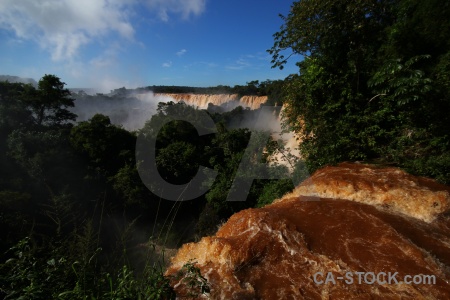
x=108, y=44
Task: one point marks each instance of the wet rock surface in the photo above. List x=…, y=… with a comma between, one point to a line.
x=202, y=100
x=386, y=187
x=287, y=249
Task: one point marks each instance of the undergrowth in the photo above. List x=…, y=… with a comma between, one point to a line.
x=75, y=267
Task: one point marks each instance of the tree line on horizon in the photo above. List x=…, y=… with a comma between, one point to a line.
x=273, y=89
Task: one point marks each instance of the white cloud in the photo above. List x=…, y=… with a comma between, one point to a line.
x=239, y=64
x=185, y=8
x=103, y=74
x=253, y=61
x=263, y=56
x=181, y=52
x=63, y=26
x=108, y=83
x=107, y=58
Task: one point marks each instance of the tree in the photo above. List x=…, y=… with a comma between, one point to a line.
x=13, y=111
x=106, y=146
x=325, y=101
x=178, y=150
x=49, y=102
x=368, y=89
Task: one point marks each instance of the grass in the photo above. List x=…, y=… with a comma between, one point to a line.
x=76, y=267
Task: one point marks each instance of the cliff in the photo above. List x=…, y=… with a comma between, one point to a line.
x=314, y=242
x=202, y=100
x=253, y=102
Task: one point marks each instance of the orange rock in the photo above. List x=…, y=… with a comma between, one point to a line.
x=201, y=100
x=387, y=188
x=275, y=252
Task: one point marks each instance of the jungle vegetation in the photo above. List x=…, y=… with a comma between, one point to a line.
x=373, y=84
x=78, y=222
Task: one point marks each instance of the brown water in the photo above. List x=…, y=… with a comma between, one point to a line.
x=201, y=100
x=274, y=252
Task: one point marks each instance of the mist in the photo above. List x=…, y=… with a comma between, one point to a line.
x=129, y=111
x=132, y=108
x=267, y=118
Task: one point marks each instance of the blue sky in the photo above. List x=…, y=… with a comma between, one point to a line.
x=108, y=44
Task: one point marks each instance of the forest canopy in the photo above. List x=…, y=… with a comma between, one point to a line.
x=78, y=222
x=373, y=84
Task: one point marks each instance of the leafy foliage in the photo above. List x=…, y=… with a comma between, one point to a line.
x=75, y=211
x=270, y=88
x=49, y=102
x=107, y=147
x=195, y=283
x=33, y=274
x=371, y=85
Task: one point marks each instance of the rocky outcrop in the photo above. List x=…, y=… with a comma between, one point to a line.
x=201, y=100
x=391, y=189
x=352, y=231
x=254, y=102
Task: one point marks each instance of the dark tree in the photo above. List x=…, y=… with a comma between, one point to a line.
x=49, y=102
x=372, y=84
